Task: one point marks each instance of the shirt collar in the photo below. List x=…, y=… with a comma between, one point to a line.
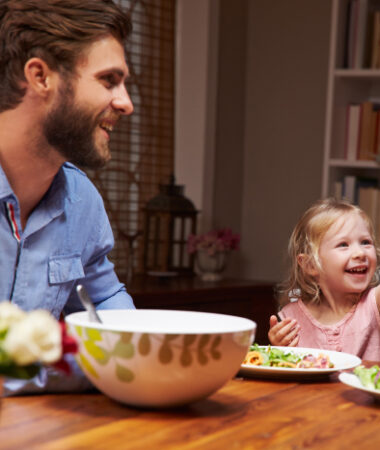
x=5, y=187
x=58, y=191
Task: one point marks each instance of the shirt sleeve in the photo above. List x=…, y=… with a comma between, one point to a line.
x=100, y=281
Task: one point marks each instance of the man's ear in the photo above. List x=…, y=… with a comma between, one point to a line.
x=40, y=78
x=307, y=265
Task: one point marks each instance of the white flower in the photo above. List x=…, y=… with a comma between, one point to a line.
x=9, y=315
x=37, y=337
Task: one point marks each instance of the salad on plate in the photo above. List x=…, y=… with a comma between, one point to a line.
x=277, y=357
x=369, y=377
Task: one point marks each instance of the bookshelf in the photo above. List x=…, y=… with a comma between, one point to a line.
x=351, y=166
x=353, y=81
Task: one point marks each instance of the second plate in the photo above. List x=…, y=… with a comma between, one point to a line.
x=341, y=361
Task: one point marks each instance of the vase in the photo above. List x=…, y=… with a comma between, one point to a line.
x=211, y=267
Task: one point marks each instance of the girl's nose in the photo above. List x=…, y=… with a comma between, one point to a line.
x=358, y=251
x=122, y=101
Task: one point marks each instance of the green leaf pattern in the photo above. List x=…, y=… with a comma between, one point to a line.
x=85, y=363
x=98, y=353
x=125, y=347
x=165, y=354
x=185, y=358
x=122, y=349
x=215, y=353
x=201, y=353
x=144, y=344
x=124, y=374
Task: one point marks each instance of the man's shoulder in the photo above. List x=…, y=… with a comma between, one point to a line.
x=72, y=170
x=78, y=184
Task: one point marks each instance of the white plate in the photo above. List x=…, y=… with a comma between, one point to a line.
x=341, y=361
x=352, y=380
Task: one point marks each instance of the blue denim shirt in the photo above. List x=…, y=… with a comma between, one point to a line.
x=65, y=241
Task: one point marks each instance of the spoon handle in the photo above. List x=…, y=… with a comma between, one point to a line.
x=87, y=303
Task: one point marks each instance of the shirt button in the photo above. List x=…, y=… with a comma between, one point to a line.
x=339, y=348
x=336, y=332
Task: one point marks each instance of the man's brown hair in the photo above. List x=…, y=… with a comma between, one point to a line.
x=56, y=31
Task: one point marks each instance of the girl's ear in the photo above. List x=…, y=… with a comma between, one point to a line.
x=307, y=265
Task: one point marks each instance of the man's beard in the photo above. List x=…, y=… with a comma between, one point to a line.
x=70, y=129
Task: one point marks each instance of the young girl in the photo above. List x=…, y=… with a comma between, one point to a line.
x=333, y=292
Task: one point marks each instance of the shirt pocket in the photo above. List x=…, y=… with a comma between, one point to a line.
x=63, y=273
x=63, y=269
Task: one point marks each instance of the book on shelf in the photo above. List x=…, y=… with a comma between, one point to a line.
x=367, y=131
x=364, y=192
x=352, y=132
x=338, y=190
x=376, y=145
x=375, y=51
x=362, y=131
x=351, y=186
x=356, y=33
x=369, y=202
x=362, y=35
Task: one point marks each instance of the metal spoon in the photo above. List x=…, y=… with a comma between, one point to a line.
x=87, y=303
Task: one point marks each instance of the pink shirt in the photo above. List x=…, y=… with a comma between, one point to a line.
x=358, y=332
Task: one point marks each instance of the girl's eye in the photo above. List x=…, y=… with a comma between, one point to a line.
x=343, y=244
x=366, y=242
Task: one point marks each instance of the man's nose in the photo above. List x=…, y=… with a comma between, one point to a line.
x=122, y=101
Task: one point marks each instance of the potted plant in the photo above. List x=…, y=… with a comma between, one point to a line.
x=211, y=251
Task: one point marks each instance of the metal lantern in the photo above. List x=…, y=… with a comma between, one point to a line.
x=170, y=218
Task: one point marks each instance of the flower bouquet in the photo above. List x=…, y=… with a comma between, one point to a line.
x=29, y=340
x=211, y=250
x=214, y=241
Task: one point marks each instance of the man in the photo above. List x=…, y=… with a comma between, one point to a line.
x=62, y=75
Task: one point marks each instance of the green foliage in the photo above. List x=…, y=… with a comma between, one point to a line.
x=93, y=335
x=100, y=354
x=124, y=374
x=144, y=344
x=123, y=350
x=85, y=363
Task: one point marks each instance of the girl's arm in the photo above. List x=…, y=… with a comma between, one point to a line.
x=284, y=333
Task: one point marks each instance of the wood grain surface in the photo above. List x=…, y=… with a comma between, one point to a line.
x=244, y=414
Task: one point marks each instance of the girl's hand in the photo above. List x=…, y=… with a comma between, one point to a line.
x=284, y=333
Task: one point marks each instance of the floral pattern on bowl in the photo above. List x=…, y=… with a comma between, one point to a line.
x=158, y=369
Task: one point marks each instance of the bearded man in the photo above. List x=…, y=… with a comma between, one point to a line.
x=62, y=90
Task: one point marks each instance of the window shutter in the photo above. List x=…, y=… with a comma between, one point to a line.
x=142, y=145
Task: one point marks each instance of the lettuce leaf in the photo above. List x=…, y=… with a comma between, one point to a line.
x=369, y=377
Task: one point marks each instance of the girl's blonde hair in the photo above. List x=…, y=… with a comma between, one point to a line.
x=306, y=240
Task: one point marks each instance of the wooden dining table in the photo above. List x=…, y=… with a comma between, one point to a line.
x=246, y=413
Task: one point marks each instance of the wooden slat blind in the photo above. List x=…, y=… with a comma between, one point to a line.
x=143, y=143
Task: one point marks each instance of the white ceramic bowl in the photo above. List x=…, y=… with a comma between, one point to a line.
x=160, y=358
